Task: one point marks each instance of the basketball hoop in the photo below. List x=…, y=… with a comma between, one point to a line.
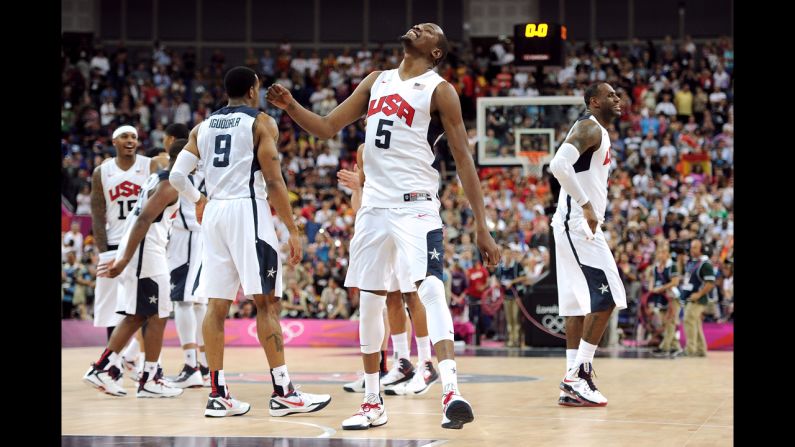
x=533, y=162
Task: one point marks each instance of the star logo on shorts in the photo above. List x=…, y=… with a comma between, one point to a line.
x=271, y=273
x=603, y=289
x=152, y=299
x=434, y=254
x=172, y=285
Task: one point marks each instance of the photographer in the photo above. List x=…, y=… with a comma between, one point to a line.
x=697, y=281
x=663, y=295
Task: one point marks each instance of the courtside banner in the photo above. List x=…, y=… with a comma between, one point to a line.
x=238, y=332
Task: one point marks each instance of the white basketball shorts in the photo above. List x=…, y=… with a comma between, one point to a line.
x=240, y=248
x=388, y=243
x=588, y=279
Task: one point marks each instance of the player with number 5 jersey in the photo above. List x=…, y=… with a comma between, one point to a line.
x=398, y=228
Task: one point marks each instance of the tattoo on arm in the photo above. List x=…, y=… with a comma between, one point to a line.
x=586, y=134
x=98, y=208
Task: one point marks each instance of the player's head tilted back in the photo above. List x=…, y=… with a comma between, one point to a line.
x=125, y=140
x=426, y=40
x=175, y=149
x=242, y=84
x=602, y=101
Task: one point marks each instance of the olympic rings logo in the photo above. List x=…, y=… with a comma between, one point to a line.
x=555, y=323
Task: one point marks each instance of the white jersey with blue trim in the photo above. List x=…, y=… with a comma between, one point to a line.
x=592, y=170
x=226, y=146
x=398, y=146
x=150, y=256
x=121, y=189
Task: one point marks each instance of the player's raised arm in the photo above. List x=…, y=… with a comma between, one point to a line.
x=324, y=126
x=449, y=107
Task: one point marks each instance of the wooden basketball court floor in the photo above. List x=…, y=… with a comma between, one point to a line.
x=684, y=401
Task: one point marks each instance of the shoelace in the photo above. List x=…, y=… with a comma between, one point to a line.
x=365, y=407
x=447, y=397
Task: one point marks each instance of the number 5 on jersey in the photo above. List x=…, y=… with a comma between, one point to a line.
x=382, y=132
x=223, y=144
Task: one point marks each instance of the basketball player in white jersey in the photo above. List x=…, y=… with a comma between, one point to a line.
x=589, y=287
x=143, y=287
x=403, y=378
x=115, y=186
x=132, y=357
x=398, y=228
x=237, y=145
x=184, y=261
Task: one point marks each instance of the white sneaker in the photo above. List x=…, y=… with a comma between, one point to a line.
x=424, y=377
x=189, y=377
x=297, y=402
x=157, y=388
x=402, y=371
x=456, y=411
x=578, y=383
x=218, y=407
x=372, y=413
x=103, y=381
x=357, y=386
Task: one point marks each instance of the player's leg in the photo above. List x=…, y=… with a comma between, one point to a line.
x=420, y=254
x=425, y=373
x=357, y=386
x=200, y=309
x=185, y=320
x=371, y=271
x=182, y=262
x=260, y=273
x=598, y=289
x=103, y=374
x=154, y=302
x=130, y=355
x=219, y=280
x=371, y=332
x=402, y=370
x=384, y=369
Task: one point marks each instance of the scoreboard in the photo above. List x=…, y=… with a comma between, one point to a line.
x=539, y=44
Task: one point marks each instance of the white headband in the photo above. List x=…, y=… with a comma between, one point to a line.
x=125, y=129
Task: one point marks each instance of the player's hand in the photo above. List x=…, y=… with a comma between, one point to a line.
x=295, y=249
x=590, y=216
x=349, y=179
x=489, y=251
x=111, y=269
x=200, y=208
x=279, y=96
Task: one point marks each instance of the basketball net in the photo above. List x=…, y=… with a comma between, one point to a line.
x=533, y=162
